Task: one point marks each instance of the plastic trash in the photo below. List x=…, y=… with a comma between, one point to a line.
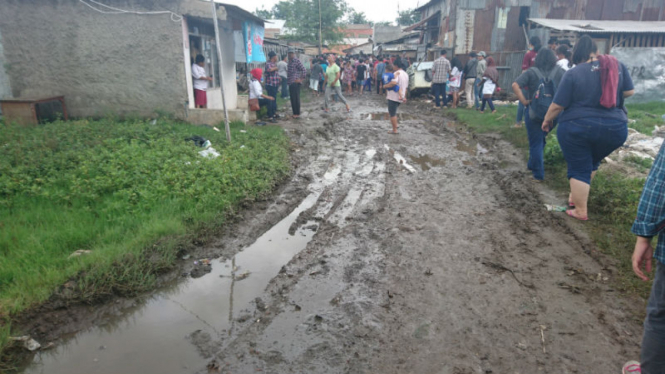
x=209, y=153
x=555, y=208
x=80, y=252
x=28, y=343
x=207, y=144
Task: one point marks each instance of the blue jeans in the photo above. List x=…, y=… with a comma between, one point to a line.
x=653, y=342
x=477, y=94
x=520, y=108
x=439, y=89
x=585, y=142
x=536, y=145
x=285, y=88
x=272, y=105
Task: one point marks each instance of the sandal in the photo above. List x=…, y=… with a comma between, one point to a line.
x=570, y=213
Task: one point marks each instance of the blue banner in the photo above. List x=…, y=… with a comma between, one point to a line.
x=253, y=35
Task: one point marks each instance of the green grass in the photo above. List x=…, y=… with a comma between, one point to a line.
x=130, y=192
x=614, y=197
x=646, y=116
x=641, y=164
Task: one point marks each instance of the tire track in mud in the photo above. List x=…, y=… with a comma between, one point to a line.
x=458, y=269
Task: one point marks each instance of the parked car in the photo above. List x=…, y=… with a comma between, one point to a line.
x=420, y=78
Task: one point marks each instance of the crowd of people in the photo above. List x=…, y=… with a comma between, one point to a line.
x=333, y=76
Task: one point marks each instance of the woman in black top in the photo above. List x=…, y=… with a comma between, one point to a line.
x=545, y=65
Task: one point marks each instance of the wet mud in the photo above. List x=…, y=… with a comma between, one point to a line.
x=426, y=252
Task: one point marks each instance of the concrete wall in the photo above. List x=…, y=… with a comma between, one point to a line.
x=102, y=63
x=5, y=90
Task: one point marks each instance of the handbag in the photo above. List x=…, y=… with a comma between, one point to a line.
x=254, y=105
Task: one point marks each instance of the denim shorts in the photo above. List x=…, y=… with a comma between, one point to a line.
x=585, y=142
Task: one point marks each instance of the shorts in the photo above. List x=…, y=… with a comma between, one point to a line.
x=454, y=89
x=359, y=83
x=585, y=142
x=200, y=98
x=392, y=108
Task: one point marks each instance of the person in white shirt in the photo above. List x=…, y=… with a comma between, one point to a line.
x=200, y=82
x=256, y=91
x=564, y=55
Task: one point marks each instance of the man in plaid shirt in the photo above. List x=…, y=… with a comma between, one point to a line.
x=650, y=222
x=440, y=69
x=272, y=84
x=295, y=75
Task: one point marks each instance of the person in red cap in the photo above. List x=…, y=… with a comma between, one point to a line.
x=256, y=91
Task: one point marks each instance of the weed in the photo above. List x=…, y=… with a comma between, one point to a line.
x=641, y=164
x=128, y=191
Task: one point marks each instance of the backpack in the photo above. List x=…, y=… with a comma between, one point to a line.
x=544, y=94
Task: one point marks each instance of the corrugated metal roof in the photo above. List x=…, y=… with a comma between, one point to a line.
x=275, y=24
x=588, y=26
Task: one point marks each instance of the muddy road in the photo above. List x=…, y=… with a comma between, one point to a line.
x=426, y=252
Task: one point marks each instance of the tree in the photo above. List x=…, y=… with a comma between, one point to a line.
x=263, y=13
x=407, y=17
x=302, y=16
x=357, y=18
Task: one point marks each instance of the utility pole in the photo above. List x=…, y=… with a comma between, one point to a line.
x=221, y=70
x=320, y=27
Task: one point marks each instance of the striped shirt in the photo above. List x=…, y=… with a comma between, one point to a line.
x=650, y=219
x=296, y=71
x=441, y=69
x=272, y=78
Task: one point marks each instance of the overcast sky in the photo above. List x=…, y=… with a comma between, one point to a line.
x=376, y=10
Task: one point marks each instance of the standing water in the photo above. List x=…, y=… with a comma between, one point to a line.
x=152, y=337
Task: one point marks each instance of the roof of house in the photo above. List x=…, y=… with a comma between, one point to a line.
x=432, y=2
x=355, y=46
x=403, y=38
x=602, y=27
x=422, y=21
x=275, y=24
x=360, y=26
x=234, y=10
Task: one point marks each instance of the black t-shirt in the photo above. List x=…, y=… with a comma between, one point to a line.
x=530, y=80
x=361, y=72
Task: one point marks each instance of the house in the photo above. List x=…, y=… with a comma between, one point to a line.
x=133, y=58
x=365, y=49
x=275, y=28
x=357, y=34
x=406, y=45
x=606, y=34
x=502, y=27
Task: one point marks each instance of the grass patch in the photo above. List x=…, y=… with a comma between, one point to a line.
x=127, y=191
x=614, y=197
x=641, y=164
x=646, y=116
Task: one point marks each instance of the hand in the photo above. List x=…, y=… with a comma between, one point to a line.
x=526, y=102
x=271, y=98
x=547, y=126
x=642, y=257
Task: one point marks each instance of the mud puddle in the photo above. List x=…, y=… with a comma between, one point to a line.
x=427, y=162
x=473, y=148
x=400, y=159
x=383, y=116
x=155, y=336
